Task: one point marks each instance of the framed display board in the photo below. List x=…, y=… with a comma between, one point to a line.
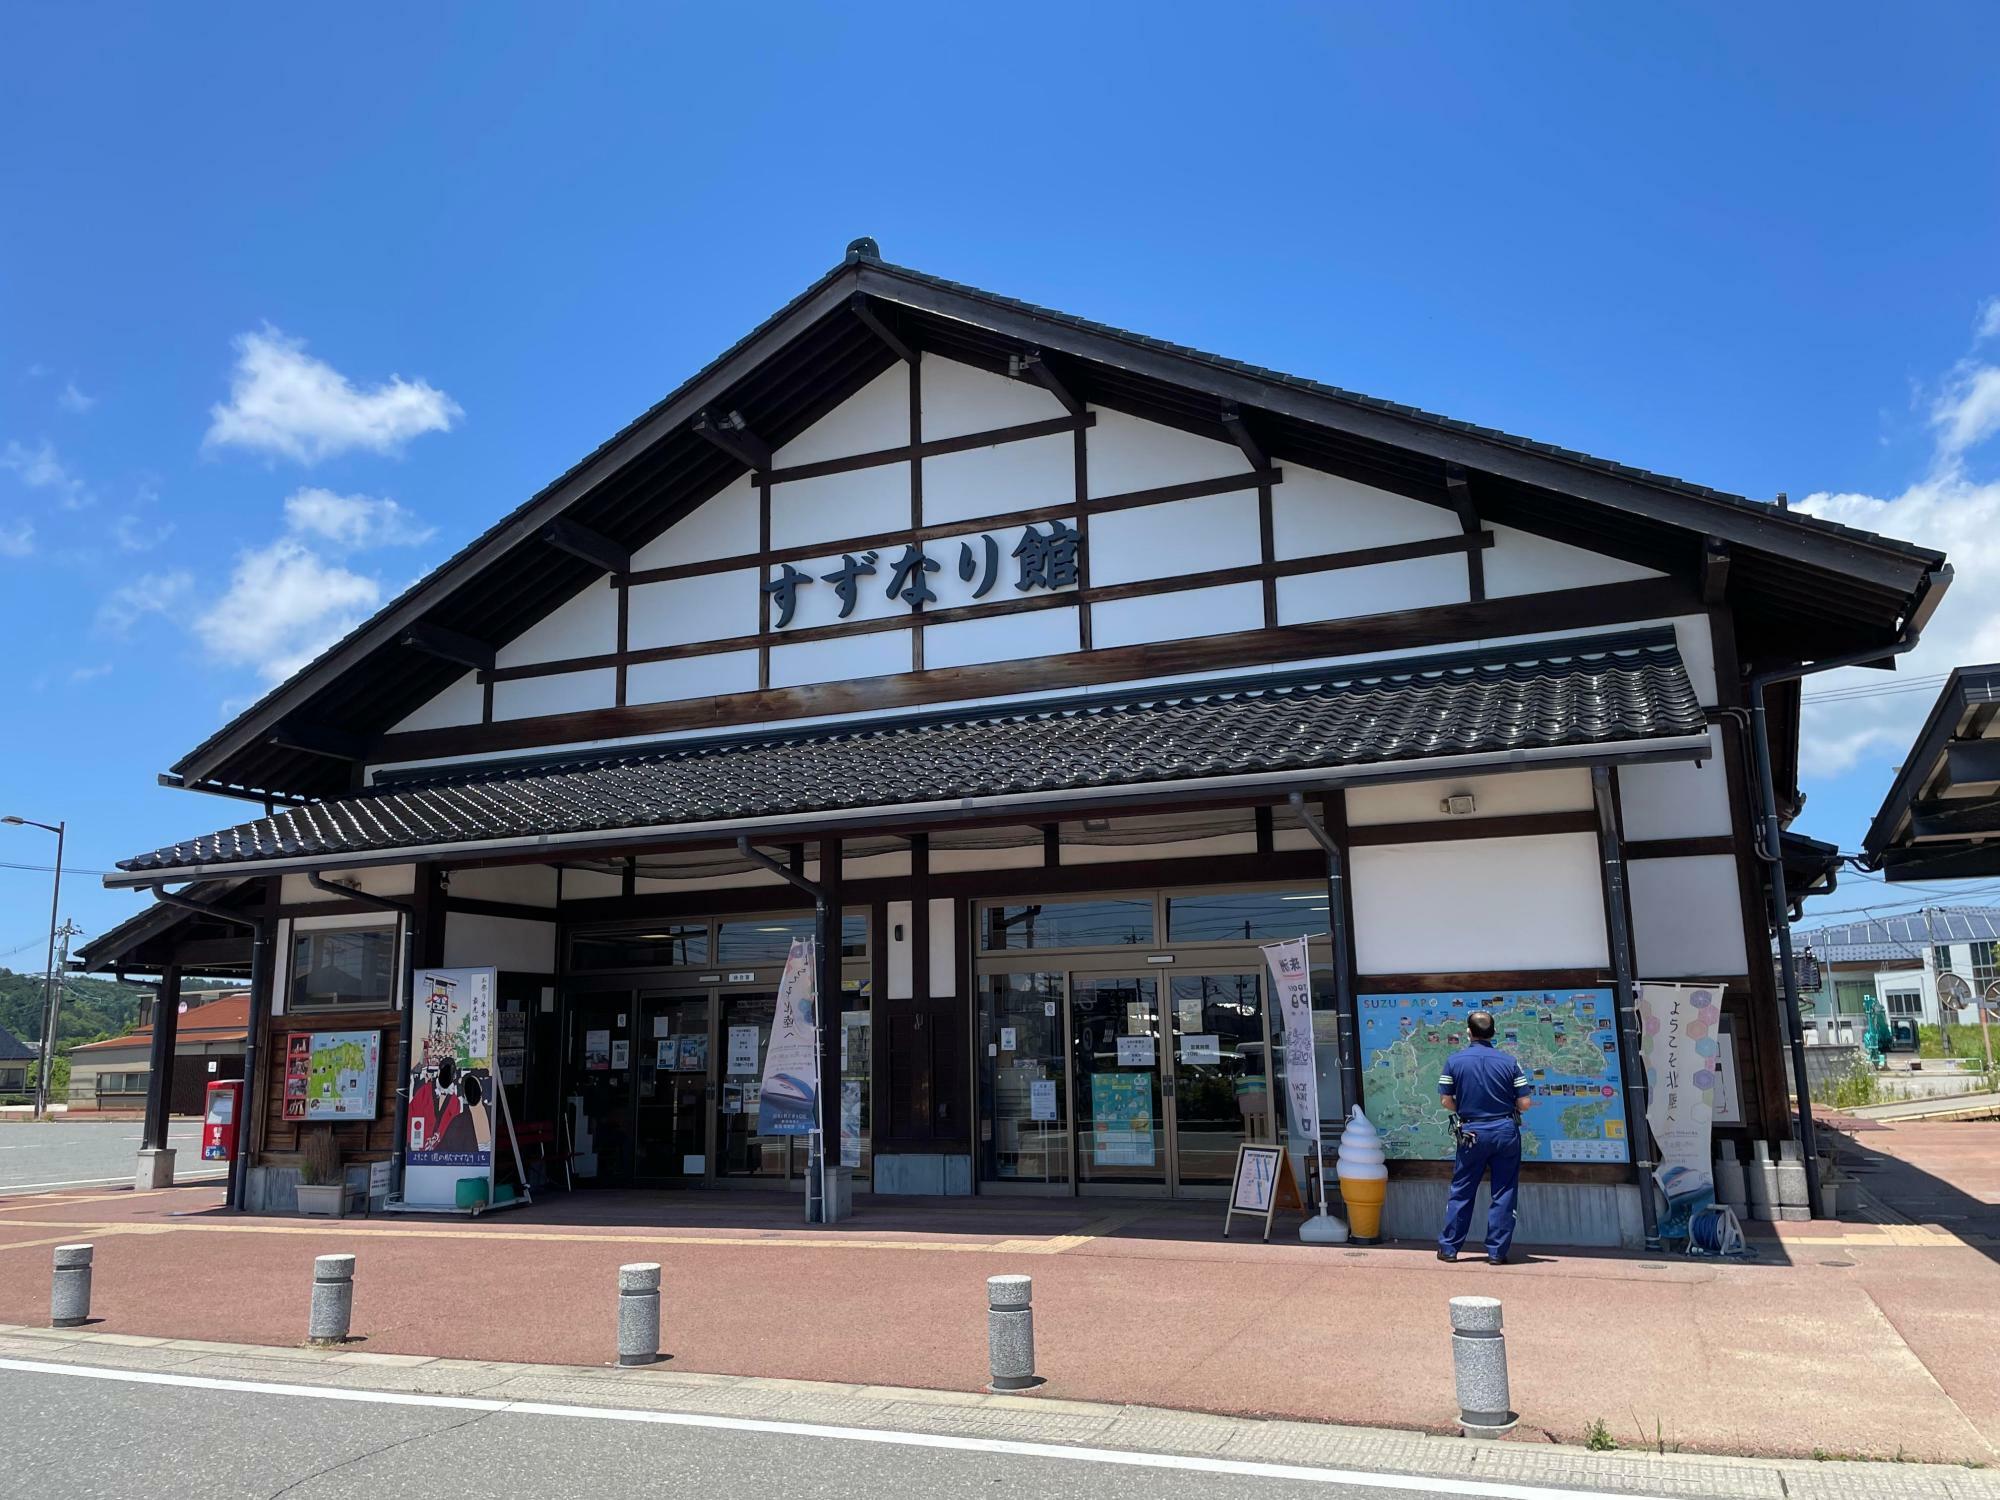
x=1261, y=1185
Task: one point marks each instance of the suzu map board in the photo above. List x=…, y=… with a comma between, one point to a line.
x=1566, y=1042
x=331, y=1075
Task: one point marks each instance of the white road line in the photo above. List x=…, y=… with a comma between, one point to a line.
x=22, y=1187
x=1345, y=1478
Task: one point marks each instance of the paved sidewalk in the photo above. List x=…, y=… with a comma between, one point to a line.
x=1013, y=1419
x=1851, y=1339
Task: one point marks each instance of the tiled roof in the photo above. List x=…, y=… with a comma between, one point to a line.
x=1568, y=693
x=1903, y=936
x=13, y=1049
x=217, y=1021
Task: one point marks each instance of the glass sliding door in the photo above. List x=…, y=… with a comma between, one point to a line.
x=741, y=1150
x=671, y=1072
x=598, y=1103
x=1117, y=1074
x=1023, y=1080
x=1221, y=1074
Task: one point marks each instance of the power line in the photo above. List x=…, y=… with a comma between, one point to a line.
x=1874, y=689
x=51, y=869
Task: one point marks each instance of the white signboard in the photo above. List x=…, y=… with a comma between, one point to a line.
x=1680, y=1049
x=1201, y=1049
x=1136, y=1052
x=1291, y=986
x=742, y=1049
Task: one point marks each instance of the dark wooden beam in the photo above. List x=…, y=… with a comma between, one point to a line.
x=319, y=739
x=579, y=540
x=1240, y=434
x=1942, y=862
x=449, y=645
x=733, y=436
x=872, y=321
x=1972, y=762
x=1458, y=491
x=1714, y=570
x=1949, y=820
x=1032, y=366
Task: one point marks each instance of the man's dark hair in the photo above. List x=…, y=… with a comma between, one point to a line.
x=1480, y=1025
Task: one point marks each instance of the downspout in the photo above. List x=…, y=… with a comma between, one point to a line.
x=260, y=1002
x=407, y=1031
x=1929, y=595
x=1342, y=943
x=825, y=930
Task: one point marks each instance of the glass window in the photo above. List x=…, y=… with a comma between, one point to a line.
x=1941, y=957
x=1245, y=916
x=1849, y=995
x=769, y=939
x=1985, y=967
x=1067, y=924
x=344, y=968
x=655, y=948
x=1904, y=1004
x=1023, y=1103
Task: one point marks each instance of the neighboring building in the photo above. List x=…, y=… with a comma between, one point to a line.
x=113, y=1074
x=1941, y=817
x=16, y=1059
x=1055, y=658
x=1898, y=959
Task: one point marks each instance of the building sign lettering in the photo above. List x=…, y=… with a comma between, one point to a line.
x=1046, y=557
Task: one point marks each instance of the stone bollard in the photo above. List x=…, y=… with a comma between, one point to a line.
x=1479, y=1364
x=69, y=1291
x=332, y=1299
x=639, y=1313
x=1761, y=1179
x=1794, y=1199
x=1010, y=1333
x=1732, y=1188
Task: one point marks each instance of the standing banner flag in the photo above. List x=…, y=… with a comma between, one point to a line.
x=1681, y=1048
x=1291, y=984
x=789, y=1102
x=451, y=1087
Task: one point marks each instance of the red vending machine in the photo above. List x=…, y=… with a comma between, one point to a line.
x=218, y=1121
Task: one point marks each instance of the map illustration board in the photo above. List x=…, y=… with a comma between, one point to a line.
x=1564, y=1040
x=341, y=1068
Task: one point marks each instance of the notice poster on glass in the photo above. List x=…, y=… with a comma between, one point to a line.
x=789, y=1102
x=742, y=1049
x=451, y=1086
x=513, y=1045
x=692, y=1053
x=850, y=1122
x=597, y=1050
x=1135, y=1052
x=1121, y=1109
x=621, y=1055
x=1042, y=1099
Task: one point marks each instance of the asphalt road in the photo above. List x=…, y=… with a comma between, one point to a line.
x=89, y=1153
x=67, y=1436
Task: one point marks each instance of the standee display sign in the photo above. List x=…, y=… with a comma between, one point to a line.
x=451, y=1086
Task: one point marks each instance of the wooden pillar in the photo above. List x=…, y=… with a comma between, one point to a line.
x=1618, y=936
x=160, y=1064
x=1340, y=935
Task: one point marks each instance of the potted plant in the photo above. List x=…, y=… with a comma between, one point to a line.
x=322, y=1192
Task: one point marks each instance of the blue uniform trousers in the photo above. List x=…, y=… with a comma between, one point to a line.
x=1497, y=1149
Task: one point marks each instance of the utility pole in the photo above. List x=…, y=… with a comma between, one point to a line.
x=52, y=1015
x=48, y=979
x=1930, y=959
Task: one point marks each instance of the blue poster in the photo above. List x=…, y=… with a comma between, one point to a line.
x=1565, y=1041
x=1121, y=1111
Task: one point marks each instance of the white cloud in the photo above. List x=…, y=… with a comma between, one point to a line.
x=1967, y=410
x=284, y=605
x=1988, y=326
x=17, y=538
x=41, y=468
x=148, y=594
x=283, y=401
x=90, y=674
x=353, y=521
x=134, y=535
x=73, y=400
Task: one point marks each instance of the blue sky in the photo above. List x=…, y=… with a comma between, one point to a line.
x=1750, y=246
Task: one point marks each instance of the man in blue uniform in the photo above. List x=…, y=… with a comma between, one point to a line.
x=1487, y=1091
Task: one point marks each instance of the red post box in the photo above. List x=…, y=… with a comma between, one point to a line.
x=218, y=1121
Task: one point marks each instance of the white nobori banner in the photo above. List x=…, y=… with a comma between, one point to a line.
x=1291, y=986
x=1681, y=1049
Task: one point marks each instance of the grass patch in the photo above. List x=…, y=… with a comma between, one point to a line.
x=1599, y=1438
x=1854, y=1089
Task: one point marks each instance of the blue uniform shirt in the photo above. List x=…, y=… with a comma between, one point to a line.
x=1484, y=1080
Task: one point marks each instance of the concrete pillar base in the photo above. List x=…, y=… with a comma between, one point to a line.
x=156, y=1169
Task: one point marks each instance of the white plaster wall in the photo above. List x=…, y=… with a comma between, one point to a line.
x=1494, y=797
x=833, y=507
x=959, y=398
x=587, y=885
x=1519, y=562
x=1021, y=857
x=1046, y=632
x=1687, y=918
x=1512, y=903
x=562, y=693
x=1111, y=854
x=691, y=677
x=462, y=703
x=944, y=950
x=897, y=914
x=875, y=417
x=1347, y=593
x=526, y=885
x=586, y=625
x=891, y=864
x=819, y=604
x=1128, y=454
x=474, y=942
x=377, y=880
x=838, y=659
x=1676, y=799
x=725, y=525
x=1182, y=536
x=1314, y=513
x=1173, y=617
x=1697, y=644
x=1006, y=477
x=713, y=606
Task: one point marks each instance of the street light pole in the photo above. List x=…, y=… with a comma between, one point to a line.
x=49, y=979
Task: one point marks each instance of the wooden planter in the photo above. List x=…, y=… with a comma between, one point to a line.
x=323, y=1200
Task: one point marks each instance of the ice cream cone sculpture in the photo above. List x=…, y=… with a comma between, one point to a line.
x=1364, y=1176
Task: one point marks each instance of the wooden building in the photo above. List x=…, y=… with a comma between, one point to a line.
x=1067, y=668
